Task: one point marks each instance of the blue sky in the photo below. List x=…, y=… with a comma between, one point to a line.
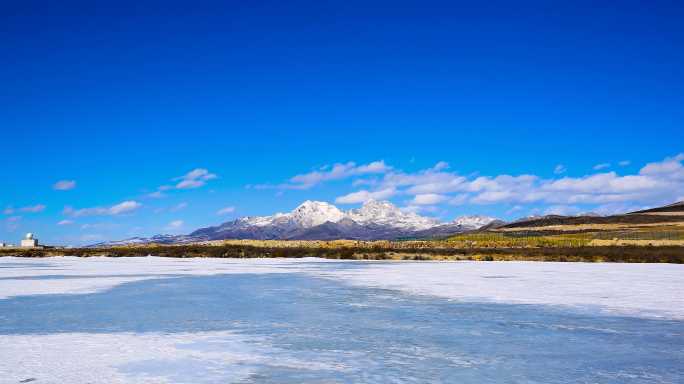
x=434, y=103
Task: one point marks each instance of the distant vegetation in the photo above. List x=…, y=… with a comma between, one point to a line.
x=650, y=236
x=628, y=254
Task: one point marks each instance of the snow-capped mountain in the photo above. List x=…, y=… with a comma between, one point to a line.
x=316, y=220
x=473, y=222
x=312, y=213
x=323, y=221
x=385, y=213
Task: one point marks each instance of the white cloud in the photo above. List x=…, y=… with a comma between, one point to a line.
x=459, y=199
x=64, y=185
x=364, y=195
x=419, y=208
x=428, y=199
x=601, y=166
x=671, y=167
x=8, y=211
x=196, y=178
x=190, y=184
x=441, y=166
x=426, y=181
x=563, y=210
x=118, y=209
x=604, y=183
x=624, y=163
x=559, y=169
x=156, y=195
x=656, y=183
x=338, y=171
x=65, y=222
x=123, y=207
x=225, y=211
x=33, y=208
x=175, y=224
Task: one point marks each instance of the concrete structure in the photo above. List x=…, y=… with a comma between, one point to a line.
x=28, y=241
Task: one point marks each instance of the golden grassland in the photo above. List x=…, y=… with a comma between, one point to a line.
x=595, y=227
x=577, y=235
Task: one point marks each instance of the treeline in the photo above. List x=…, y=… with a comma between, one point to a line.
x=623, y=254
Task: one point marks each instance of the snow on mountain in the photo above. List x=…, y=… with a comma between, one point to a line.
x=385, y=213
x=323, y=221
x=312, y=213
x=306, y=215
x=473, y=222
x=320, y=220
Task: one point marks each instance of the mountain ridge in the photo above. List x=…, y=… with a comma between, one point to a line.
x=318, y=220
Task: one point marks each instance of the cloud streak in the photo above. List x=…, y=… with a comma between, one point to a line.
x=115, y=210
x=225, y=211
x=196, y=178
x=33, y=208
x=64, y=185
x=363, y=195
x=338, y=171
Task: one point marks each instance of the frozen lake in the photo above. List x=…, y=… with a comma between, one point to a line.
x=155, y=320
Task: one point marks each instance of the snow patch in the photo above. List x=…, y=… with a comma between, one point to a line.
x=643, y=290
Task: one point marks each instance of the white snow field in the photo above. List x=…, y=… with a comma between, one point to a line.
x=54, y=352
x=644, y=290
x=93, y=274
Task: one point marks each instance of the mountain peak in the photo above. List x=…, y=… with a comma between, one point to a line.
x=473, y=221
x=312, y=213
x=385, y=213
x=375, y=219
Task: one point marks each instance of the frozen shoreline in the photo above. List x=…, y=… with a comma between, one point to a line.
x=642, y=290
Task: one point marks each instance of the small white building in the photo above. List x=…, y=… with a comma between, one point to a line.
x=28, y=241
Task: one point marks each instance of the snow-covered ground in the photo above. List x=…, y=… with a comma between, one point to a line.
x=74, y=275
x=648, y=290
x=294, y=329
x=97, y=358
x=643, y=290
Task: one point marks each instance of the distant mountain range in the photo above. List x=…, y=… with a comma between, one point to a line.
x=316, y=220
x=381, y=220
x=672, y=213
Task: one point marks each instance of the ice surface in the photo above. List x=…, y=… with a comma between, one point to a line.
x=311, y=320
x=647, y=290
x=73, y=275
